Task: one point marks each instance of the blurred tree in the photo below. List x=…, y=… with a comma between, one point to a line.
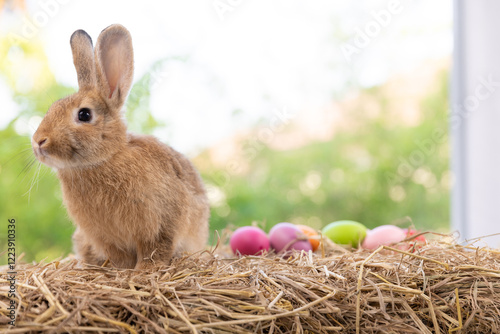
x=375, y=173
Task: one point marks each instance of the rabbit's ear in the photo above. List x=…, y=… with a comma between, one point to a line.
x=114, y=58
x=83, y=58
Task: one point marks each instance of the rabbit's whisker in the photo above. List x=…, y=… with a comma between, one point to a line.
x=18, y=155
x=33, y=179
x=27, y=167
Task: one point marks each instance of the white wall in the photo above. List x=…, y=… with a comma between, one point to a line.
x=475, y=120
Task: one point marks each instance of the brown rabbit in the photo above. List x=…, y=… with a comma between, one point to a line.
x=135, y=201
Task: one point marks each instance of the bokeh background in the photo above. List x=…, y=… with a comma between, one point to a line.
x=307, y=112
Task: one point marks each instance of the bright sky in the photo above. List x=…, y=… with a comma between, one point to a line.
x=253, y=56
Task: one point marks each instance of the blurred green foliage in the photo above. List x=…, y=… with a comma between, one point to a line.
x=355, y=175
x=376, y=174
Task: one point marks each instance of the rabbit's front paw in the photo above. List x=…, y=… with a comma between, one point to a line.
x=146, y=264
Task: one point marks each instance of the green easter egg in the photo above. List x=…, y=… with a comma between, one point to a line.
x=345, y=232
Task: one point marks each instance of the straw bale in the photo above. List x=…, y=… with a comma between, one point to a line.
x=441, y=287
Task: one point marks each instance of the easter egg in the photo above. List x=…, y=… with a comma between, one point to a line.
x=383, y=235
x=416, y=242
x=280, y=225
x=409, y=232
x=311, y=234
x=345, y=232
x=249, y=240
x=285, y=237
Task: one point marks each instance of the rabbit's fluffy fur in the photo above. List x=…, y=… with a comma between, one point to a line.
x=135, y=201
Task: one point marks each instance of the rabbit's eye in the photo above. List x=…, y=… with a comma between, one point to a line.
x=84, y=115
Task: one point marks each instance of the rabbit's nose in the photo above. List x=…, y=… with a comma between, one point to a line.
x=41, y=142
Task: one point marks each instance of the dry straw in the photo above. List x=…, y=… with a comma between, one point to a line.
x=439, y=288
